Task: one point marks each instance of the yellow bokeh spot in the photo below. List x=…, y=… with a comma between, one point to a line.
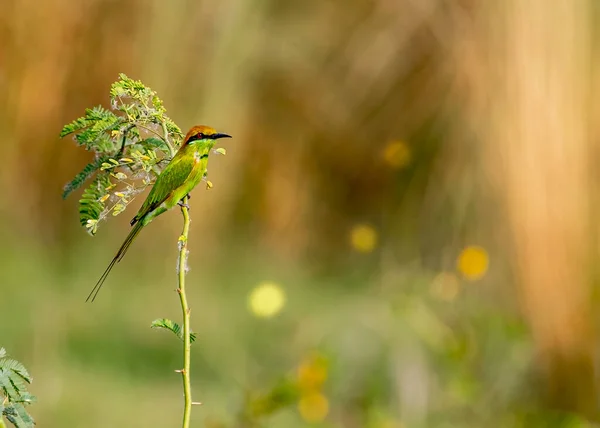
x=363, y=238
x=397, y=154
x=390, y=423
x=313, y=407
x=312, y=373
x=445, y=286
x=473, y=262
x=266, y=300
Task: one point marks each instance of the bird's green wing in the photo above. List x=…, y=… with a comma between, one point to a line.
x=173, y=176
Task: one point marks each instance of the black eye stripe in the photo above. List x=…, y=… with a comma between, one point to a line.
x=201, y=136
x=195, y=137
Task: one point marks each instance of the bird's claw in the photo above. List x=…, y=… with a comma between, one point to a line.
x=182, y=205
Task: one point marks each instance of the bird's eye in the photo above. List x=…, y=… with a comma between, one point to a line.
x=200, y=136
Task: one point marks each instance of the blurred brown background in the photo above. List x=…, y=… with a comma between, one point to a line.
x=416, y=178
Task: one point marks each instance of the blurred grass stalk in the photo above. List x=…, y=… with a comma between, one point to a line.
x=534, y=91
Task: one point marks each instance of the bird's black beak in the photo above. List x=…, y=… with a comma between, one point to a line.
x=217, y=136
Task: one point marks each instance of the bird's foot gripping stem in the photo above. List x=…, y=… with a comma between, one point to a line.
x=182, y=205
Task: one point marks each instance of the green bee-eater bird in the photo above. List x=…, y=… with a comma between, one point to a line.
x=180, y=176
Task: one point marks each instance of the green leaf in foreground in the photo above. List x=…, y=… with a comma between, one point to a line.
x=167, y=324
x=82, y=177
x=14, y=379
x=91, y=204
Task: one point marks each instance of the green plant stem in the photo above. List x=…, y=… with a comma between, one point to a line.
x=166, y=134
x=185, y=309
x=185, y=372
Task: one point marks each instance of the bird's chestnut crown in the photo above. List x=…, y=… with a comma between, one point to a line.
x=202, y=132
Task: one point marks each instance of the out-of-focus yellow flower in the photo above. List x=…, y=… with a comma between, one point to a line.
x=266, y=300
x=313, y=407
x=473, y=262
x=397, y=154
x=312, y=373
x=445, y=286
x=363, y=238
x=391, y=423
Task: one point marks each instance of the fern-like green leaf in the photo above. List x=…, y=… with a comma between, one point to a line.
x=14, y=379
x=16, y=367
x=77, y=125
x=126, y=87
x=27, y=398
x=18, y=416
x=93, y=130
x=172, y=326
x=173, y=129
x=92, y=116
x=83, y=176
x=90, y=205
x=96, y=135
x=155, y=143
x=7, y=386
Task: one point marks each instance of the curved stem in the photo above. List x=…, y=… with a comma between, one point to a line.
x=164, y=137
x=166, y=133
x=185, y=372
x=122, y=149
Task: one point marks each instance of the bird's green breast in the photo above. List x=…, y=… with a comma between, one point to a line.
x=199, y=157
x=180, y=176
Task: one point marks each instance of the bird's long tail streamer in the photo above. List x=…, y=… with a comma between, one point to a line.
x=120, y=254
